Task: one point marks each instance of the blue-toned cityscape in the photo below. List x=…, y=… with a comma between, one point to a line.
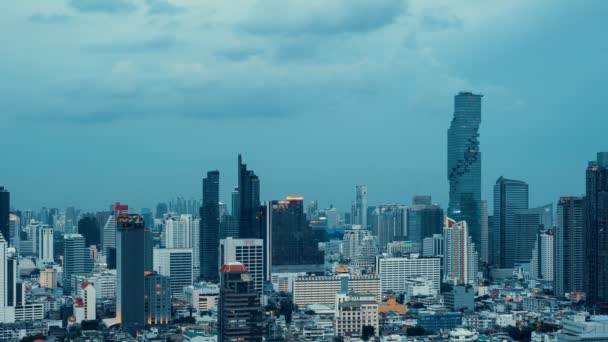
x=303, y=170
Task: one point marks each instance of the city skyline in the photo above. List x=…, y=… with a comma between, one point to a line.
x=511, y=61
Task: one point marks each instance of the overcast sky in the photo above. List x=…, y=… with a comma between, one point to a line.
x=133, y=101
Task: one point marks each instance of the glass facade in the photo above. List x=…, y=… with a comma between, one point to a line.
x=464, y=163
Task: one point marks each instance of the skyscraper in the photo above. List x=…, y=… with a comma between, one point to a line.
x=249, y=252
x=249, y=203
x=423, y=220
x=76, y=260
x=210, y=227
x=569, y=255
x=460, y=255
x=359, y=214
x=8, y=277
x=509, y=197
x=157, y=299
x=390, y=223
x=5, y=208
x=88, y=227
x=133, y=258
x=528, y=223
x=596, y=233
x=240, y=314
x=177, y=265
x=45, y=246
x=485, y=234
x=178, y=231
x=464, y=163
x=292, y=242
x=543, y=256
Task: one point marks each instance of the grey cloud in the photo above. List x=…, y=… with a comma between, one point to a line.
x=439, y=20
x=238, y=54
x=163, y=7
x=278, y=17
x=152, y=44
x=49, y=18
x=103, y=6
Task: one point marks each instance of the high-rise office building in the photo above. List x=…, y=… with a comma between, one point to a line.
x=249, y=252
x=543, y=256
x=88, y=227
x=102, y=218
x=293, y=246
x=157, y=299
x=161, y=210
x=240, y=314
x=460, y=256
x=178, y=231
x=8, y=283
x=569, y=238
x=71, y=222
x=359, y=212
x=423, y=220
x=14, y=230
x=109, y=235
x=528, y=223
x=596, y=233
x=510, y=196
x=210, y=227
x=359, y=245
x=464, y=163
x=5, y=211
x=249, y=203
x=485, y=233
x=390, y=223
x=177, y=264
x=46, y=244
x=76, y=260
x=133, y=259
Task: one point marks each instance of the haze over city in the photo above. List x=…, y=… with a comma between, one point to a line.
x=135, y=100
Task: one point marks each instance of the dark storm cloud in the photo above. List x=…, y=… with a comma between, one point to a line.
x=304, y=17
x=103, y=6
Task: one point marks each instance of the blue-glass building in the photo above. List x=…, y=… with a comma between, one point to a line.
x=464, y=163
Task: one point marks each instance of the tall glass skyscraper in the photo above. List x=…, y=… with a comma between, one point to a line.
x=596, y=233
x=464, y=163
x=510, y=196
x=5, y=215
x=569, y=254
x=210, y=227
x=249, y=203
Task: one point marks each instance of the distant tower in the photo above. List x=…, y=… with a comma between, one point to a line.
x=76, y=260
x=249, y=203
x=210, y=227
x=510, y=196
x=390, y=221
x=45, y=247
x=88, y=227
x=569, y=255
x=596, y=233
x=360, y=208
x=240, y=314
x=464, y=163
x=423, y=219
x=5, y=208
x=293, y=244
x=134, y=259
x=461, y=259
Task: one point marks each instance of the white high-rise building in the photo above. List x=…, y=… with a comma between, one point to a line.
x=485, y=237
x=359, y=215
x=196, y=251
x=109, y=234
x=175, y=263
x=84, y=304
x=8, y=279
x=249, y=252
x=359, y=245
x=396, y=273
x=45, y=244
x=178, y=231
x=460, y=256
x=541, y=265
